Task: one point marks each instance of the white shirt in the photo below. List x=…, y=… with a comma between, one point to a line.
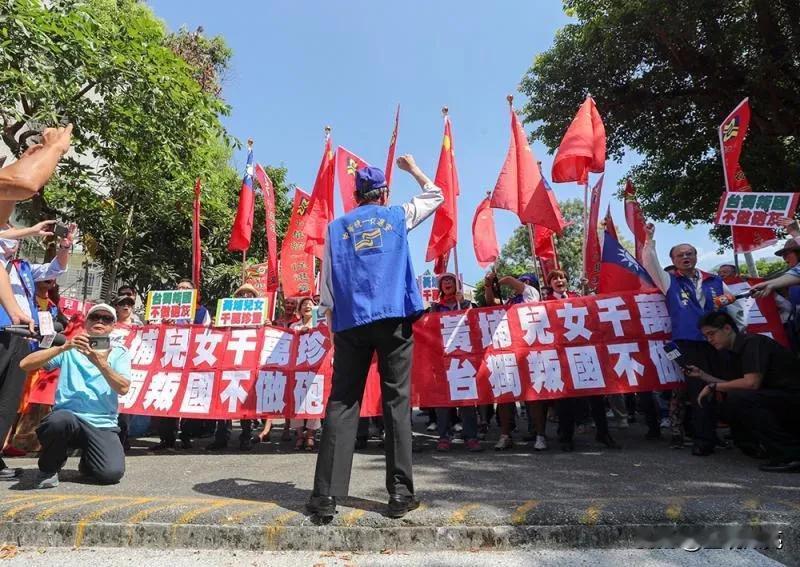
x=49, y=271
x=663, y=281
x=530, y=295
x=419, y=208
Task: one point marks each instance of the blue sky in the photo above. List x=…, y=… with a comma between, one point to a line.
x=298, y=66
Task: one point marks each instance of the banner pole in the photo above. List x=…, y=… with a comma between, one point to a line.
x=585, y=284
x=532, y=239
x=244, y=266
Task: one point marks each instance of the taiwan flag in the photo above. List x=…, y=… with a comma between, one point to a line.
x=619, y=270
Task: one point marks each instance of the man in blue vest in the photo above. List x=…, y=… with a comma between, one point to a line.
x=369, y=296
x=690, y=295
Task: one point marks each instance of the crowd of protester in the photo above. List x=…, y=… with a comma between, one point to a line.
x=748, y=382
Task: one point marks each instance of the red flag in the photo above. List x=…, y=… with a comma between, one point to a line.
x=609, y=224
x=444, y=233
x=268, y=193
x=392, y=144
x=522, y=189
x=347, y=163
x=242, y=228
x=635, y=219
x=583, y=148
x=197, y=254
x=592, y=257
x=297, y=262
x=320, y=209
x=484, y=235
x=732, y=133
x=545, y=250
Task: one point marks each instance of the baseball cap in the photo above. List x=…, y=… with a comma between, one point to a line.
x=368, y=179
x=102, y=307
x=790, y=245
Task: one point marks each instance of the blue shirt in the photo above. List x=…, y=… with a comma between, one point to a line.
x=84, y=391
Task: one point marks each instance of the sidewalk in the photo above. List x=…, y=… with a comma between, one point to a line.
x=593, y=497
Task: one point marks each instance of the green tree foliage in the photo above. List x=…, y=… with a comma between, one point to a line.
x=146, y=108
x=665, y=75
x=767, y=266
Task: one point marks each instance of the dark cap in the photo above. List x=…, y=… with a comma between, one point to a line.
x=369, y=179
x=790, y=245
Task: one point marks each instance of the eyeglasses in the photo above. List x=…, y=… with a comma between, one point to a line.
x=105, y=319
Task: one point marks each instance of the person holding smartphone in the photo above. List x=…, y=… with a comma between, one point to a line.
x=93, y=376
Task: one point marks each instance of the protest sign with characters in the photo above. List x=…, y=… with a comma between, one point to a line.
x=241, y=312
x=756, y=209
x=605, y=344
x=171, y=305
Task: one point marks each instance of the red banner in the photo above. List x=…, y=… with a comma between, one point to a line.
x=297, y=273
x=268, y=193
x=606, y=344
x=592, y=253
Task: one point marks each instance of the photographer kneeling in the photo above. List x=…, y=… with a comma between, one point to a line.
x=763, y=406
x=85, y=411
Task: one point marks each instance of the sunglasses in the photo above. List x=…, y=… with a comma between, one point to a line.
x=105, y=319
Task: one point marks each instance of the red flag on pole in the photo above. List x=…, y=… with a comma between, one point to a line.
x=268, y=193
x=609, y=224
x=484, y=235
x=521, y=187
x=297, y=273
x=583, y=148
x=592, y=253
x=444, y=233
x=732, y=133
x=320, y=208
x=545, y=250
x=197, y=254
x=392, y=144
x=347, y=163
x=635, y=219
x=242, y=228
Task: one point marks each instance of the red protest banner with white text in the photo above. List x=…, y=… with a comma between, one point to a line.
x=297, y=265
x=606, y=344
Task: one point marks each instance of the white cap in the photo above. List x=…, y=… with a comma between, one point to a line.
x=102, y=307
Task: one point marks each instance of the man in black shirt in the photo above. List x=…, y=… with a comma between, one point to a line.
x=765, y=402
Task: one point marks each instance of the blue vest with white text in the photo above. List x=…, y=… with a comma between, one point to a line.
x=26, y=277
x=684, y=308
x=371, y=272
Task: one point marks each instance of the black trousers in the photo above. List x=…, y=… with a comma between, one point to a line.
x=222, y=429
x=12, y=380
x=704, y=418
x=568, y=409
x=394, y=343
x=102, y=454
x=768, y=417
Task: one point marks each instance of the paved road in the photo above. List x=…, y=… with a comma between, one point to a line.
x=116, y=557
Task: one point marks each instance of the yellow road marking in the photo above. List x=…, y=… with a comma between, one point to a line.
x=144, y=514
x=273, y=530
x=591, y=515
x=351, y=518
x=83, y=522
x=460, y=515
x=237, y=518
x=55, y=509
x=751, y=504
x=520, y=514
x=197, y=512
x=36, y=501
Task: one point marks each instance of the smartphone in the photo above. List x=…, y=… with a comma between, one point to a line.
x=100, y=343
x=60, y=229
x=675, y=355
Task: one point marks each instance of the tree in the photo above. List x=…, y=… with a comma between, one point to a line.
x=146, y=107
x=665, y=75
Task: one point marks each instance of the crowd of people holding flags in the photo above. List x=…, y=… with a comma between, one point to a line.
x=367, y=299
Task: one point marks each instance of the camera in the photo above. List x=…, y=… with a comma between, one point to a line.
x=61, y=230
x=100, y=343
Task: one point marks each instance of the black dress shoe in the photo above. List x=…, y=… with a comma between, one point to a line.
x=399, y=505
x=702, y=451
x=568, y=446
x=784, y=466
x=323, y=507
x=607, y=440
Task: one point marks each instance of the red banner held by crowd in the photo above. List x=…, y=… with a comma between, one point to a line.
x=574, y=347
x=268, y=193
x=297, y=275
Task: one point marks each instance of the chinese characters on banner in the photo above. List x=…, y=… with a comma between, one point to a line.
x=428, y=288
x=241, y=312
x=70, y=306
x=297, y=266
x=257, y=276
x=606, y=344
x=171, y=305
x=756, y=209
